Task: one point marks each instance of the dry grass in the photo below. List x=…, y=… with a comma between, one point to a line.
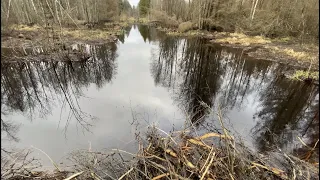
x=242, y=39
x=299, y=55
x=36, y=35
x=25, y=28
x=285, y=47
x=185, y=26
x=87, y=34
x=173, y=32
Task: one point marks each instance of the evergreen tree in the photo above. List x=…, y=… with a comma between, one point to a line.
x=144, y=6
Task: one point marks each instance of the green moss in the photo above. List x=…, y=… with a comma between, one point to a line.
x=302, y=75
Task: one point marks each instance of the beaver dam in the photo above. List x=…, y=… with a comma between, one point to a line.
x=152, y=106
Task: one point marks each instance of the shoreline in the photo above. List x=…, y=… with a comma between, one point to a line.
x=281, y=50
x=180, y=155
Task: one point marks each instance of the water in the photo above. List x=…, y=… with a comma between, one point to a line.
x=149, y=78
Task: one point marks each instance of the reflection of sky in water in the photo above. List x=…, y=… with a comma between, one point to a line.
x=111, y=105
x=133, y=88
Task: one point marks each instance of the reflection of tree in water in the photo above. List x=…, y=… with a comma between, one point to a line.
x=162, y=68
x=243, y=76
x=310, y=131
x=202, y=79
x=150, y=33
x=204, y=71
x=31, y=87
x=144, y=31
x=197, y=72
x=124, y=35
x=287, y=108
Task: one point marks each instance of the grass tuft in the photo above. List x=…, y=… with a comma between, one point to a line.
x=303, y=75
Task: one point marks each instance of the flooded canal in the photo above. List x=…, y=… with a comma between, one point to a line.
x=149, y=78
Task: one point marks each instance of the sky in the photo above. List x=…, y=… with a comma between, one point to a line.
x=134, y=2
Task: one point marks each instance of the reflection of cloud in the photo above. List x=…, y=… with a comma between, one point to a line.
x=113, y=124
x=250, y=92
x=134, y=38
x=110, y=104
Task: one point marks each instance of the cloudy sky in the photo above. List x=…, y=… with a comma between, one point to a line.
x=134, y=2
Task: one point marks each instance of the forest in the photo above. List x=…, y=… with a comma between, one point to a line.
x=271, y=18
x=48, y=12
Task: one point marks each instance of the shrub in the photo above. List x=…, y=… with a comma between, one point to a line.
x=185, y=26
x=164, y=19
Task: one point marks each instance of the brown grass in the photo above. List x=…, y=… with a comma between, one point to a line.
x=282, y=47
x=242, y=39
x=299, y=55
x=87, y=34
x=185, y=26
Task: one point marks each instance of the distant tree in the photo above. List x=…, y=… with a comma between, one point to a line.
x=144, y=6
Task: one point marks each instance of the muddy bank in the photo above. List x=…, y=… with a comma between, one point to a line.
x=36, y=43
x=27, y=36
x=285, y=50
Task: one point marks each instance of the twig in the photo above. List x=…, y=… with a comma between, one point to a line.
x=126, y=173
x=207, y=168
x=55, y=165
x=167, y=135
x=161, y=176
x=74, y=175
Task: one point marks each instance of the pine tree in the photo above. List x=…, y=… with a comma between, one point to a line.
x=144, y=6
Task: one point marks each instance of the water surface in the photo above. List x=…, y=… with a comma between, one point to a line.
x=150, y=78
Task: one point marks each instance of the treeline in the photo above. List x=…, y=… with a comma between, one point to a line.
x=62, y=11
x=267, y=17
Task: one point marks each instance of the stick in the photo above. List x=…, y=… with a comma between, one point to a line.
x=74, y=175
x=125, y=174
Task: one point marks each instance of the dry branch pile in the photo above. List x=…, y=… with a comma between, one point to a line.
x=180, y=156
